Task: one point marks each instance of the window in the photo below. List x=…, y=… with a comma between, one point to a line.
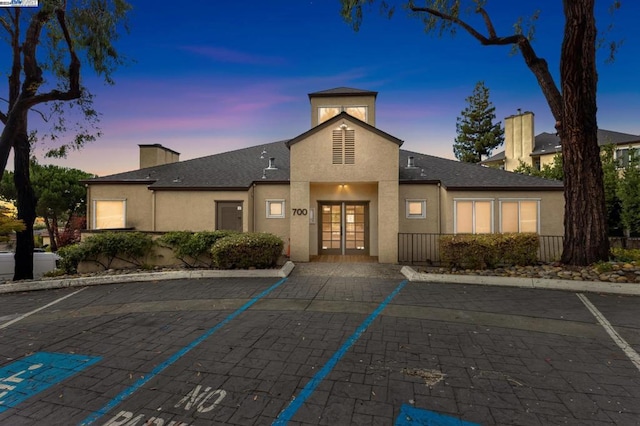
x=275, y=209
x=109, y=214
x=325, y=113
x=519, y=216
x=473, y=216
x=624, y=156
x=343, y=146
x=416, y=209
x=359, y=112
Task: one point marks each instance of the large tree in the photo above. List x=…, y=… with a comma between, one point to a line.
x=59, y=192
x=572, y=103
x=478, y=135
x=47, y=47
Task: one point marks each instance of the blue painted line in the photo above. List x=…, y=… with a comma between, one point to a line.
x=173, y=358
x=286, y=415
x=31, y=375
x=411, y=416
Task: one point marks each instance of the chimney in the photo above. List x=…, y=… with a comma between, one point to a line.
x=410, y=162
x=519, y=139
x=157, y=155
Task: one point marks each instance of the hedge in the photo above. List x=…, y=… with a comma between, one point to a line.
x=481, y=251
x=244, y=251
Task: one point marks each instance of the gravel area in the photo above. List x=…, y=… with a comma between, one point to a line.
x=617, y=272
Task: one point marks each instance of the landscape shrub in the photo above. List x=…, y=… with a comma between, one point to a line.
x=481, y=251
x=193, y=249
x=70, y=258
x=249, y=250
x=625, y=255
x=104, y=248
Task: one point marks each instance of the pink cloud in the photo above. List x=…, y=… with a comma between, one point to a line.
x=222, y=54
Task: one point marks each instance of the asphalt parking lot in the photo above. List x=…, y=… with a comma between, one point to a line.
x=317, y=348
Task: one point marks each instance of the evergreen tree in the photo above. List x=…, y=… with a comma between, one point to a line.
x=477, y=133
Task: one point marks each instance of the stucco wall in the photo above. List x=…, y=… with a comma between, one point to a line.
x=138, y=203
x=431, y=223
x=195, y=210
x=276, y=226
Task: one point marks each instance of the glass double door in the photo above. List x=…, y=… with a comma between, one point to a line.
x=344, y=228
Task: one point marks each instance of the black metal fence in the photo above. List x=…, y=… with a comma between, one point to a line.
x=425, y=248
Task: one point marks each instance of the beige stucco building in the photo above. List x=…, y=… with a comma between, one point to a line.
x=521, y=146
x=343, y=187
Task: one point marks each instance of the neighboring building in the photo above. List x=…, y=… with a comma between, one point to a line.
x=522, y=146
x=343, y=187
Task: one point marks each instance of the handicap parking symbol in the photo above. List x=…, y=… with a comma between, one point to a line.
x=31, y=375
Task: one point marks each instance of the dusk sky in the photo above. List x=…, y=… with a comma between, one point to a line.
x=216, y=76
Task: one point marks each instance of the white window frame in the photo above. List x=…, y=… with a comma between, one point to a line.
x=473, y=213
x=94, y=209
x=423, y=208
x=268, y=204
x=519, y=200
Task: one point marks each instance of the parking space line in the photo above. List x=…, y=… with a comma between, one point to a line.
x=173, y=358
x=619, y=340
x=23, y=316
x=286, y=415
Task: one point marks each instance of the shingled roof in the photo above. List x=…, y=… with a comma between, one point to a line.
x=342, y=91
x=546, y=143
x=239, y=169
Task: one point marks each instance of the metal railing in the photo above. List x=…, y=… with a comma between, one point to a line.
x=425, y=248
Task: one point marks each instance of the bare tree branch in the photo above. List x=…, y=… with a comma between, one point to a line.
x=34, y=72
x=537, y=65
x=487, y=22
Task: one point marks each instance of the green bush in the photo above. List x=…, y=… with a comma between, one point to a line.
x=481, y=251
x=104, y=248
x=193, y=249
x=70, y=257
x=244, y=251
x=625, y=255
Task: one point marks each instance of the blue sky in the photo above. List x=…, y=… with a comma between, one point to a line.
x=221, y=75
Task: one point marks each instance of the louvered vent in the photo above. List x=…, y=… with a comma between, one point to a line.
x=350, y=147
x=337, y=147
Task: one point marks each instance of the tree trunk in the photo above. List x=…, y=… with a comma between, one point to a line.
x=585, y=220
x=26, y=201
x=52, y=230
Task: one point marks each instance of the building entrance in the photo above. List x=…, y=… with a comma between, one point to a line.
x=344, y=228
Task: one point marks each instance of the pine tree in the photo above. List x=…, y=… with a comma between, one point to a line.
x=477, y=134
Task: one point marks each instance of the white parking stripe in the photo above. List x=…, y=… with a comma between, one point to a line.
x=23, y=316
x=628, y=350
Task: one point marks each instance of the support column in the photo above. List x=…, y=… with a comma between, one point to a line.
x=388, y=193
x=299, y=225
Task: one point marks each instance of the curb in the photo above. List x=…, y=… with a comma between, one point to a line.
x=629, y=289
x=143, y=276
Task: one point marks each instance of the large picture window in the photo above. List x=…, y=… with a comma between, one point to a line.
x=519, y=216
x=473, y=216
x=109, y=214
